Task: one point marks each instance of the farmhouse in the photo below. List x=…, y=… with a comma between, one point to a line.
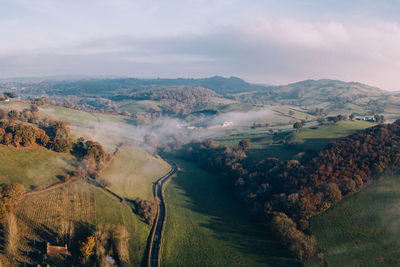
x=57, y=250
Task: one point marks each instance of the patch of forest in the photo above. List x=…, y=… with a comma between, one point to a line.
x=285, y=194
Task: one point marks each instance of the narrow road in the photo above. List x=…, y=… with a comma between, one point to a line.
x=154, y=250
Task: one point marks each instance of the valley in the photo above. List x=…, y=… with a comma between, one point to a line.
x=208, y=222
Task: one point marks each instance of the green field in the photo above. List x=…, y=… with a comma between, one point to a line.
x=111, y=211
x=133, y=172
x=324, y=133
x=309, y=139
x=207, y=227
x=34, y=167
x=139, y=106
x=109, y=130
x=18, y=105
x=363, y=229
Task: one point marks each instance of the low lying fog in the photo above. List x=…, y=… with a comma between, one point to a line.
x=110, y=133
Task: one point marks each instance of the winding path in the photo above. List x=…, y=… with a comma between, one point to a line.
x=159, y=222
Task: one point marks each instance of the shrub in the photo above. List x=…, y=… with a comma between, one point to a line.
x=146, y=209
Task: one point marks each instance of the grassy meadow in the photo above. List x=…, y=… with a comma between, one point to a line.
x=206, y=226
x=363, y=229
x=133, y=172
x=309, y=139
x=34, y=167
x=109, y=130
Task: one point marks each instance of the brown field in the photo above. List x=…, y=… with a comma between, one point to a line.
x=53, y=216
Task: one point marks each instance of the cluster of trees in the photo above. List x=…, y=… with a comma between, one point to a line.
x=319, y=111
x=379, y=118
x=259, y=125
x=49, y=133
x=11, y=94
x=107, y=241
x=142, y=118
x=338, y=118
x=52, y=134
x=104, y=245
x=295, y=192
x=176, y=100
x=92, y=155
x=146, y=209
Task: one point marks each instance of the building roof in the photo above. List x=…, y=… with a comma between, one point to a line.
x=52, y=250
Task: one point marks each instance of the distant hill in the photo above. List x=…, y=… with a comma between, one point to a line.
x=325, y=89
x=315, y=91
x=105, y=87
x=87, y=87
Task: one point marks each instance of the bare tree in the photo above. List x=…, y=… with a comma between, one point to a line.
x=121, y=239
x=12, y=235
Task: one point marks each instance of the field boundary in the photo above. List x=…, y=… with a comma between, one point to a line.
x=50, y=187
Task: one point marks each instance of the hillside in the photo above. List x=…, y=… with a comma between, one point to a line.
x=325, y=89
x=91, y=87
x=76, y=197
x=318, y=91
x=178, y=97
x=361, y=230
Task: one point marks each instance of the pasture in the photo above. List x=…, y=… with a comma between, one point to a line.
x=363, y=229
x=133, y=172
x=34, y=166
x=207, y=227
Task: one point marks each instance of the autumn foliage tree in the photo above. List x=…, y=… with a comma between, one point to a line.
x=10, y=195
x=87, y=247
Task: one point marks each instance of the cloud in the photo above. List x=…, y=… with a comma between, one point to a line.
x=262, y=50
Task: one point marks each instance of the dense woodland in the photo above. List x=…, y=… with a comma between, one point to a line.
x=285, y=194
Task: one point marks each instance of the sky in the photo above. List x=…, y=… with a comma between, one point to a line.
x=261, y=41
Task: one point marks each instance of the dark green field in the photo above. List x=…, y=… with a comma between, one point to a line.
x=207, y=227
